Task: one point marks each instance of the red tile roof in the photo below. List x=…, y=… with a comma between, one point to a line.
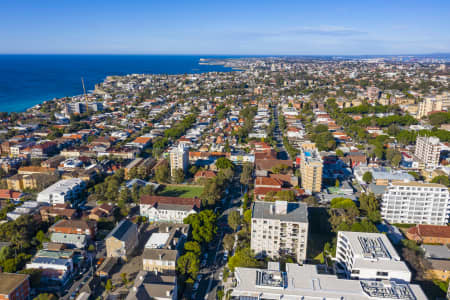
x=430, y=231
x=152, y=200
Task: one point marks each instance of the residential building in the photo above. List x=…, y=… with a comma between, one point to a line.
x=438, y=257
x=416, y=203
x=149, y=285
x=55, y=271
x=280, y=228
x=26, y=208
x=14, y=286
x=428, y=105
x=87, y=228
x=428, y=150
x=311, y=166
x=369, y=256
x=179, y=159
x=122, y=240
x=82, y=107
x=308, y=282
x=58, y=210
x=163, y=247
x=168, y=209
x=429, y=234
x=68, y=190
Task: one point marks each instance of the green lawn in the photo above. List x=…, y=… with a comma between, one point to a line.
x=181, y=191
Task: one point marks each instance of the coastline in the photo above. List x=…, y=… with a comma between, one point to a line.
x=27, y=81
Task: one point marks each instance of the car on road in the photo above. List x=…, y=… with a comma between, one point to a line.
x=221, y=276
x=195, y=287
x=73, y=296
x=203, y=264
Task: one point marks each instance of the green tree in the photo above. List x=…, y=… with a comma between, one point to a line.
x=311, y=201
x=234, y=219
x=243, y=258
x=193, y=247
x=339, y=153
x=188, y=265
x=162, y=173
x=246, y=175
x=228, y=242
x=441, y=179
x=211, y=192
x=178, y=177
x=203, y=225
x=224, y=163
x=108, y=286
x=367, y=177
x=45, y=296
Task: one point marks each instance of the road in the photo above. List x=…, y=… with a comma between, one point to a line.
x=277, y=135
x=210, y=281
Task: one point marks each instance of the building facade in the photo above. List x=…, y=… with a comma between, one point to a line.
x=122, y=240
x=369, y=256
x=14, y=286
x=428, y=150
x=168, y=209
x=416, y=203
x=68, y=190
x=179, y=159
x=280, y=228
x=311, y=166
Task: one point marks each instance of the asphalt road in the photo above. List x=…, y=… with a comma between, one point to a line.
x=210, y=281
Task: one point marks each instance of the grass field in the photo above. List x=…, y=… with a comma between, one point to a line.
x=181, y=191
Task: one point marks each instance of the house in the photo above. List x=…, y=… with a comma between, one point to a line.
x=21, y=182
x=87, y=228
x=200, y=175
x=68, y=190
x=429, y=234
x=149, y=285
x=438, y=257
x=168, y=209
x=163, y=247
x=10, y=195
x=122, y=240
x=102, y=211
x=78, y=241
x=57, y=210
x=14, y=286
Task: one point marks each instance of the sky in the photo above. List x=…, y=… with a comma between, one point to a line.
x=244, y=27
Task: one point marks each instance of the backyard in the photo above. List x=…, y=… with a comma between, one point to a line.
x=184, y=191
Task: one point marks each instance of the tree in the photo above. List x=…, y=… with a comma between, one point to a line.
x=108, y=286
x=311, y=201
x=211, y=192
x=246, y=175
x=339, y=153
x=234, y=219
x=40, y=236
x=224, y=163
x=45, y=296
x=228, y=242
x=35, y=276
x=367, y=177
x=203, y=225
x=162, y=173
x=188, y=265
x=124, y=277
x=193, y=247
x=370, y=204
x=178, y=176
x=243, y=258
x=396, y=159
x=135, y=193
x=124, y=195
x=441, y=179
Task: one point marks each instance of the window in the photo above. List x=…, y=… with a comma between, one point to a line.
x=384, y=274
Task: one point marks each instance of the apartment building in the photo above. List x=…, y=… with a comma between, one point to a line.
x=370, y=256
x=313, y=282
x=122, y=240
x=428, y=105
x=428, y=150
x=416, y=203
x=163, y=247
x=68, y=190
x=168, y=209
x=81, y=107
x=179, y=159
x=280, y=228
x=311, y=166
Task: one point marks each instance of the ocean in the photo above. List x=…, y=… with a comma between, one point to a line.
x=27, y=80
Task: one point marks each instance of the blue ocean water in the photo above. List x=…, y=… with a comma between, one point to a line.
x=27, y=80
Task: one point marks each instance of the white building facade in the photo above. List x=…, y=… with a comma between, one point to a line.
x=428, y=150
x=370, y=256
x=68, y=190
x=179, y=159
x=416, y=203
x=280, y=228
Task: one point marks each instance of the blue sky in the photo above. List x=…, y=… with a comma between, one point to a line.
x=225, y=27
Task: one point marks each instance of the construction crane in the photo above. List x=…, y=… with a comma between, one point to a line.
x=85, y=97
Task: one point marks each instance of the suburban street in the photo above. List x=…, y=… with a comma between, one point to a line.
x=210, y=280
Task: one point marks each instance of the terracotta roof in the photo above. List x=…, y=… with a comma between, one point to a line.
x=265, y=190
x=268, y=181
x=9, y=194
x=430, y=231
x=152, y=200
x=206, y=174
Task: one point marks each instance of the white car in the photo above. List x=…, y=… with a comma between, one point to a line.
x=221, y=276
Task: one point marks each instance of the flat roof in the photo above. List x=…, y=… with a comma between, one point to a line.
x=157, y=240
x=305, y=281
x=296, y=212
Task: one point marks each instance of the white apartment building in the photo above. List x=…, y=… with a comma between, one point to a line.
x=179, y=159
x=67, y=190
x=428, y=150
x=370, y=256
x=416, y=203
x=310, y=282
x=280, y=228
x=168, y=209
